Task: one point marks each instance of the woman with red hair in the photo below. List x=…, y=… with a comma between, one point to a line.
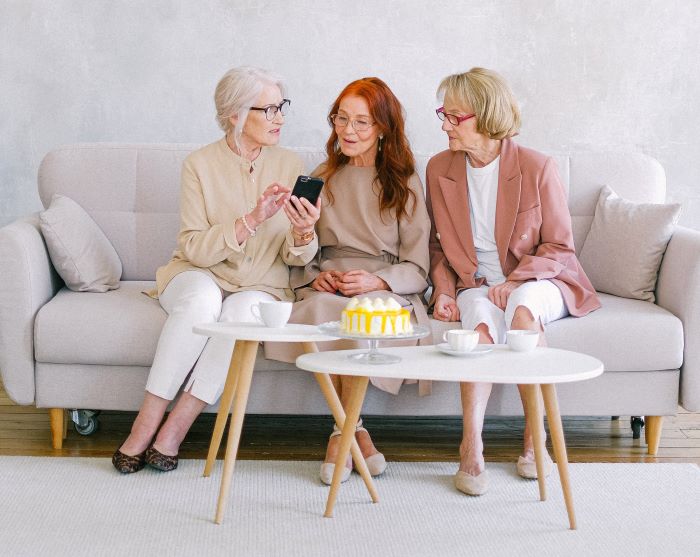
x=373, y=231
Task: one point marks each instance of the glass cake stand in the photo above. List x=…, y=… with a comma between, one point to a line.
x=373, y=356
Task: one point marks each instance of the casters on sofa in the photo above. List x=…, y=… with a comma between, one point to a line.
x=85, y=422
x=637, y=423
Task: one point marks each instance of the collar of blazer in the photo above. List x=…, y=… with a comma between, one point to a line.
x=455, y=191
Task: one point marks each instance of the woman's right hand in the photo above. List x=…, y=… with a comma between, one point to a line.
x=326, y=282
x=271, y=201
x=445, y=308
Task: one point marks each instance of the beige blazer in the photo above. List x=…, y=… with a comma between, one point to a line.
x=532, y=229
x=218, y=187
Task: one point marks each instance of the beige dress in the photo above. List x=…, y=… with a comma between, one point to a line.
x=353, y=235
x=219, y=187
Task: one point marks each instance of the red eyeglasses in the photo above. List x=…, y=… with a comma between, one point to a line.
x=452, y=118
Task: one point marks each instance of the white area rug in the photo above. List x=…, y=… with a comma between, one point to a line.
x=82, y=506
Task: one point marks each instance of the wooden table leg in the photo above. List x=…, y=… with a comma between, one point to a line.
x=250, y=349
x=535, y=420
x=336, y=408
x=552, y=405
x=224, y=406
x=357, y=397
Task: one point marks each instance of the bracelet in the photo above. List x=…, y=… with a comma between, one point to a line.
x=304, y=238
x=250, y=230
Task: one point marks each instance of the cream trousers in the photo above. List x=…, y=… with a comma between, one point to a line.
x=190, y=298
x=541, y=297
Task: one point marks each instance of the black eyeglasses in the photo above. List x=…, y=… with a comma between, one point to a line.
x=271, y=109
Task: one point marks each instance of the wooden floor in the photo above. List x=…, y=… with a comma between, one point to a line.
x=24, y=430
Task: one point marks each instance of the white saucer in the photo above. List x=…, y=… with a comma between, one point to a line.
x=479, y=350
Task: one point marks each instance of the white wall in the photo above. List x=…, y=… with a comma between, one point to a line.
x=590, y=75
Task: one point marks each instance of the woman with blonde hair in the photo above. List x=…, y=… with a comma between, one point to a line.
x=233, y=251
x=501, y=247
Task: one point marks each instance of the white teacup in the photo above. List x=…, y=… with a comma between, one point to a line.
x=272, y=313
x=522, y=341
x=461, y=340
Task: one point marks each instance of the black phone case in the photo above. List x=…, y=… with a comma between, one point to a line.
x=308, y=187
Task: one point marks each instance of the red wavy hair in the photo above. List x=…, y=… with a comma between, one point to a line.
x=394, y=162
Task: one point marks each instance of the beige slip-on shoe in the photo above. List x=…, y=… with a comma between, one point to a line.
x=528, y=468
x=472, y=485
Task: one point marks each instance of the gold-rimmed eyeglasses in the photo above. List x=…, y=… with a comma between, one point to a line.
x=358, y=124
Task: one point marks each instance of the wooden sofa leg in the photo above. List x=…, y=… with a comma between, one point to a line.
x=58, y=425
x=654, y=425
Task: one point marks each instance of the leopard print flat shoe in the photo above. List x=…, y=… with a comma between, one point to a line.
x=127, y=464
x=159, y=461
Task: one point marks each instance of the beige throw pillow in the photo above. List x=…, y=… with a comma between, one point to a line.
x=624, y=247
x=79, y=250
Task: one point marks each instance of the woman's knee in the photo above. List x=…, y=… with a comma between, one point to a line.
x=484, y=333
x=238, y=306
x=522, y=318
x=203, y=302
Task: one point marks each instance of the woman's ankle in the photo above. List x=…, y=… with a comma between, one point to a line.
x=136, y=443
x=365, y=443
x=332, y=451
x=471, y=457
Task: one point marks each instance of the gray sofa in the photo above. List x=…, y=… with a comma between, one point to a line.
x=61, y=349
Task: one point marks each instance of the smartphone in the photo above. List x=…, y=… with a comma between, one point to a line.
x=308, y=187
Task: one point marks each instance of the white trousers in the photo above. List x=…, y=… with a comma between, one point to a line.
x=190, y=298
x=541, y=297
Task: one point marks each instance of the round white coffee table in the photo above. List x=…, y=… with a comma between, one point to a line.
x=537, y=370
x=237, y=387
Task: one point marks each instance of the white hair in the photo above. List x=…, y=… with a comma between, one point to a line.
x=237, y=91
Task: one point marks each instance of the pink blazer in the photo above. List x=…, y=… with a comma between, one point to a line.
x=533, y=226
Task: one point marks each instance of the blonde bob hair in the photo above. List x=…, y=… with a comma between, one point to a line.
x=237, y=91
x=489, y=97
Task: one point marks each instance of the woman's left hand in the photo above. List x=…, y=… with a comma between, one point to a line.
x=302, y=214
x=500, y=293
x=357, y=282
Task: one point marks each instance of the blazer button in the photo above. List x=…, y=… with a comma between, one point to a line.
x=523, y=236
x=437, y=235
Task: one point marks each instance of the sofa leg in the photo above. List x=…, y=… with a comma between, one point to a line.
x=58, y=426
x=654, y=425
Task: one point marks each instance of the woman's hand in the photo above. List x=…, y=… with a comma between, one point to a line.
x=302, y=214
x=445, y=308
x=326, y=281
x=352, y=283
x=271, y=201
x=500, y=293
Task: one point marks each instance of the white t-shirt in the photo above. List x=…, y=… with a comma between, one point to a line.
x=483, y=189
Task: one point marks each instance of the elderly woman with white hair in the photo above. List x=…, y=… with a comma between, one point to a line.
x=234, y=250
x=501, y=247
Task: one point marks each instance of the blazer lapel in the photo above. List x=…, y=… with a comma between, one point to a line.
x=508, y=197
x=454, y=189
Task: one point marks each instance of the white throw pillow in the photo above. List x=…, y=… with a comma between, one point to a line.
x=626, y=243
x=79, y=250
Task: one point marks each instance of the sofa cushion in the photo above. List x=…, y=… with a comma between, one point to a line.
x=626, y=335
x=623, y=250
x=80, y=252
x=119, y=327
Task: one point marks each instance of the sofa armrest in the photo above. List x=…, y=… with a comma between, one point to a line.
x=678, y=291
x=27, y=281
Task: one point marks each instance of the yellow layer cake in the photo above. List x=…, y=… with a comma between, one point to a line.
x=378, y=317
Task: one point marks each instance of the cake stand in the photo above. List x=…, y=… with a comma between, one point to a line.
x=373, y=356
